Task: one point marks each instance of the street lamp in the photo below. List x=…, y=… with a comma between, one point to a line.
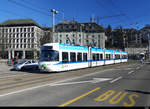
x=54, y=12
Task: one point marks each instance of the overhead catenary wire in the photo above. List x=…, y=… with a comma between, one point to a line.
x=107, y=10
x=45, y=10
x=28, y=7
x=127, y=18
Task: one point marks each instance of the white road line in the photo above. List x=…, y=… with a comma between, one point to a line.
x=116, y=79
x=130, y=72
x=12, y=75
x=138, y=68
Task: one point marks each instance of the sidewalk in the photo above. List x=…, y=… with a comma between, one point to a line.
x=4, y=67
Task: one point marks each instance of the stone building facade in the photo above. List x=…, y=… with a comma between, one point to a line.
x=21, y=38
x=84, y=34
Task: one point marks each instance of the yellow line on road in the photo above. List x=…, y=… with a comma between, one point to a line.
x=77, y=98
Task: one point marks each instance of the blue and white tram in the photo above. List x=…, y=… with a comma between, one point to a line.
x=109, y=57
x=62, y=57
x=117, y=56
x=124, y=57
x=97, y=58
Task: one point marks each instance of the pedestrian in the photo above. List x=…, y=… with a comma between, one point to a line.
x=12, y=61
x=141, y=58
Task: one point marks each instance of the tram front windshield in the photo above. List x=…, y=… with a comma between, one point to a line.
x=49, y=55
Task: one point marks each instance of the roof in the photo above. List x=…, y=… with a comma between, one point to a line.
x=69, y=26
x=20, y=22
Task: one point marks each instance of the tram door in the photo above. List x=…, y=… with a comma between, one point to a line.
x=89, y=57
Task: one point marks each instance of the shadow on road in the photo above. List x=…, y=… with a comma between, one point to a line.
x=138, y=91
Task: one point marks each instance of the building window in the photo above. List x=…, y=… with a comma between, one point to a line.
x=24, y=45
x=28, y=34
x=79, y=35
x=99, y=36
x=87, y=41
x=93, y=36
x=60, y=36
x=24, y=34
x=32, y=40
x=32, y=34
x=10, y=30
x=67, y=41
x=20, y=40
x=21, y=35
x=21, y=46
x=32, y=29
x=24, y=29
x=87, y=36
x=20, y=29
x=28, y=29
x=73, y=41
x=60, y=41
x=17, y=35
x=79, y=40
x=17, y=46
x=73, y=35
x=17, y=29
x=13, y=29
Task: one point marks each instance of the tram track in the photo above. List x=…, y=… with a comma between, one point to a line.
x=21, y=81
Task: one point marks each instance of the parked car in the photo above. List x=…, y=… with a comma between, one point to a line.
x=26, y=65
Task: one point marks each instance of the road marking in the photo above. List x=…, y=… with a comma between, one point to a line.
x=116, y=79
x=94, y=80
x=51, y=84
x=12, y=75
x=77, y=98
x=130, y=72
x=138, y=68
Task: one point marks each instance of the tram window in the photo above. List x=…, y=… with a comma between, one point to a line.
x=94, y=56
x=124, y=56
x=79, y=57
x=49, y=55
x=107, y=56
x=101, y=56
x=117, y=56
x=111, y=56
x=65, y=57
x=73, y=57
x=84, y=56
x=97, y=57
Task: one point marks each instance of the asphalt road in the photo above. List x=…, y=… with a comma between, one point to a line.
x=124, y=86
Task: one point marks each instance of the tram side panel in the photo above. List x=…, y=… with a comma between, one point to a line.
x=76, y=60
x=124, y=57
x=109, y=57
x=117, y=57
x=97, y=57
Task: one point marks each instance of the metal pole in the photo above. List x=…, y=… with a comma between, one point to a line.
x=149, y=46
x=53, y=22
x=53, y=30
